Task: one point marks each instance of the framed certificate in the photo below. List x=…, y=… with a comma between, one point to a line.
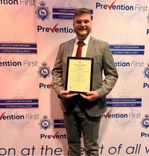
x=79, y=74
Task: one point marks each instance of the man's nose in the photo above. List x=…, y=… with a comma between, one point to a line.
x=83, y=24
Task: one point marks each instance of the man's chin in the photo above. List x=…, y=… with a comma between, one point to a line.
x=82, y=36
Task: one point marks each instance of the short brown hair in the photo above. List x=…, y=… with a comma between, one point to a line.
x=81, y=11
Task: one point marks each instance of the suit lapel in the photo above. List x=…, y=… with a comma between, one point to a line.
x=90, y=49
x=70, y=47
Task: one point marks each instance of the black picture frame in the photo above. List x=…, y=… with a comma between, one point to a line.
x=75, y=73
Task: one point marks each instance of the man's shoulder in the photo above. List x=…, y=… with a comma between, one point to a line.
x=68, y=42
x=99, y=41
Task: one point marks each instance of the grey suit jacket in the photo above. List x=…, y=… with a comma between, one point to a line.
x=103, y=64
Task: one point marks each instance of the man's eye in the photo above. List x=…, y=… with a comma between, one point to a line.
x=78, y=22
x=86, y=21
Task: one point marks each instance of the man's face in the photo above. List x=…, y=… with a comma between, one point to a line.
x=82, y=26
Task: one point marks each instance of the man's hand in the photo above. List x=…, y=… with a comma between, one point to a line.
x=90, y=96
x=67, y=94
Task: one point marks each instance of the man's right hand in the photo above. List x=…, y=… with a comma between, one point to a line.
x=67, y=94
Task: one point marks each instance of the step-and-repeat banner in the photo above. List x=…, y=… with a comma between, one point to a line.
x=31, y=120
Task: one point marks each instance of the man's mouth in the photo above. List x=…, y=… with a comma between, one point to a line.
x=83, y=29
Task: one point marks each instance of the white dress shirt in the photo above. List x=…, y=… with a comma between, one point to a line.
x=84, y=48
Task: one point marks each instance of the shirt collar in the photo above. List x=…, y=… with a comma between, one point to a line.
x=85, y=41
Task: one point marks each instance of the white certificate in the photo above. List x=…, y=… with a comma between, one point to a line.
x=79, y=74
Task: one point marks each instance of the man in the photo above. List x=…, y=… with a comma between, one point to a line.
x=82, y=111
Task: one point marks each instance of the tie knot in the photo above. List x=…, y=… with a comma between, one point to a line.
x=80, y=43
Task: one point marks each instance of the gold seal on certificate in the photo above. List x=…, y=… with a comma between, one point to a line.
x=79, y=74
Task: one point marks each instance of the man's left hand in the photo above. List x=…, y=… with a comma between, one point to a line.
x=90, y=96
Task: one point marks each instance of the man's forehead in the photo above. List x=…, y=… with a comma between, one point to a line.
x=82, y=16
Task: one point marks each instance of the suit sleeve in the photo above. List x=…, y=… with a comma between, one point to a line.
x=57, y=82
x=110, y=72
